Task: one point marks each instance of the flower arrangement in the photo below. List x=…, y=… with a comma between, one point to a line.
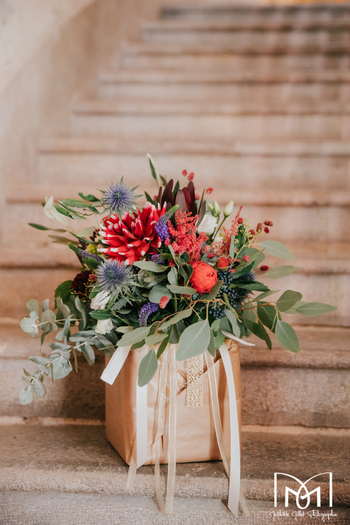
x=169, y=272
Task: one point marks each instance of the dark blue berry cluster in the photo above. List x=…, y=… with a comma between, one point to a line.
x=235, y=295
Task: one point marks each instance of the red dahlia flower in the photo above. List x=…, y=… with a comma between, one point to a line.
x=130, y=238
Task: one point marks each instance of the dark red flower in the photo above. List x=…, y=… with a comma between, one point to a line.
x=130, y=238
x=223, y=262
x=264, y=268
x=81, y=283
x=266, y=230
x=164, y=301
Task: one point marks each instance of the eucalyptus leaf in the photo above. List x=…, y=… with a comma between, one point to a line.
x=213, y=292
x=150, y=266
x=265, y=294
x=183, y=290
x=172, y=276
x=194, y=340
x=61, y=367
x=32, y=306
x=26, y=395
x=45, y=305
x=80, y=306
x=267, y=315
x=234, y=322
x=155, y=339
x=101, y=315
x=176, y=318
x=277, y=249
x=63, y=308
x=88, y=353
x=162, y=346
x=39, y=387
x=286, y=336
x=280, y=271
x=135, y=336
x=28, y=325
x=157, y=292
x=65, y=331
x=148, y=367
x=86, y=232
x=211, y=345
x=287, y=300
x=312, y=309
x=256, y=286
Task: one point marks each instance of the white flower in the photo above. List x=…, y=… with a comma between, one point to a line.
x=100, y=300
x=104, y=327
x=229, y=209
x=51, y=212
x=208, y=224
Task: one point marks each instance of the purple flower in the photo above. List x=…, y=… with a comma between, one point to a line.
x=114, y=277
x=119, y=198
x=84, y=254
x=162, y=229
x=156, y=258
x=146, y=310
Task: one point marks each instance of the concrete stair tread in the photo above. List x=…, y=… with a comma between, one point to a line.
x=156, y=107
x=307, y=9
x=92, y=145
x=301, y=197
x=79, y=459
x=224, y=77
x=164, y=48
x=321, y=347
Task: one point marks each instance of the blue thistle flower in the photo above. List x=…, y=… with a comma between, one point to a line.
x=119, y=198
x=146, y=310
x=114, y=277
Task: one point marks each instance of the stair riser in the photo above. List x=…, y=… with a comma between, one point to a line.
x=41, y=284
x=76, y=396
x=236, y=62
x=213, y=127
x=286, y=390
x=236, y=93
x=304, y=224
x=262, y=40
x=286, y=396
x=248, y=171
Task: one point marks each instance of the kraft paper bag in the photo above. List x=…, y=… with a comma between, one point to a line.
x=195, y=433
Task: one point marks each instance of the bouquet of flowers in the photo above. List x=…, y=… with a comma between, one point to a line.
x=168, y=272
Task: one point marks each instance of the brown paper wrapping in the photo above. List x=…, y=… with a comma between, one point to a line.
x=195, y=433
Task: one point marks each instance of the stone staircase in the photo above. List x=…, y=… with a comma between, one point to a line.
x=255, y=101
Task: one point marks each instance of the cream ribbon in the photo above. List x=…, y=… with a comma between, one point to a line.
x=109, y=375
x=139, y=456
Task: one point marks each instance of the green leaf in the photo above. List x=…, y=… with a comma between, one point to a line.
x=183, y=290
x=26, y=395
x=39, y=226
x=265, y=294
x=80, y=306
x=148, y=367
x=75, y=203
x=256, y=286
x=124, y=329
x=153, y=167
x=219, y=339
x=64, y=291
x=211, y=345
x=258, y=329
x=86, y=232
x=162, y=346
x=313, y=309
x=234, y=322
x=39, y=387
x=172, y=276
x=61, y=366
x=267, y=315
x=32, y=306
x=280, y=271
x=176, y=318
x=47, y=319
x=150, y=266
x=140, y=344
x=277, y=249
x=135, y=336
x=89, y=197
x=28, y=325
x=213, y=292
x=286, y=336
x=65, y=331
x=287, y=300
x=101, y=315
x=45, y=305
x=88, y=353
x=157, y=292
x=232, y=247
x=155, y=339
x=194, y=340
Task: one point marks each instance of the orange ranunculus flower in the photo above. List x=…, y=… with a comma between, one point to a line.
x=204, y=277
x=223, y=262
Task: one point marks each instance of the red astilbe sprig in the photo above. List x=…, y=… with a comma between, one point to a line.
x=184, y=236
x=222, y=247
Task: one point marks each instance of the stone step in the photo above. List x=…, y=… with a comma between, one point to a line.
x=323, y=275
x=178, y=56
x=71, y=475
x=326, y=213
x=295, y=38
x=260, y=14
x=254, y=164
x=169, y=120
x=288, y=381
x=233, y=86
